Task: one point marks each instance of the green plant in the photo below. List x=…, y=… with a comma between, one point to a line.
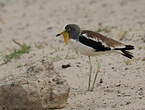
x=17, y=53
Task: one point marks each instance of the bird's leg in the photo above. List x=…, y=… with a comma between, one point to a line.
x=96, y=74
x=67, y=53
x=90, y=73
x=75, y=54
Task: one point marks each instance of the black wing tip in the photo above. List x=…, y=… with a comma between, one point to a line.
x=129, y=47
x=127, y=54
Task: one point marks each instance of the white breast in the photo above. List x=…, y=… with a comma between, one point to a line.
x=81, y=48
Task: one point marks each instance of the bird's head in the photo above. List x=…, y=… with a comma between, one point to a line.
x=71, y=31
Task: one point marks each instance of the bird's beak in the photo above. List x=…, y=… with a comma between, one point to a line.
x=65, y=36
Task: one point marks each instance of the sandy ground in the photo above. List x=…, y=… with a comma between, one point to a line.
x=36, y=22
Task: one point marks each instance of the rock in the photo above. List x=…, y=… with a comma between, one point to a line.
x=39, y=87
x=66, y=66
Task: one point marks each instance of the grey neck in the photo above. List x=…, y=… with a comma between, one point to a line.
x=74, y=36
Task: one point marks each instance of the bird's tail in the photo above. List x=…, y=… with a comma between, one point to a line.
x=126, y=53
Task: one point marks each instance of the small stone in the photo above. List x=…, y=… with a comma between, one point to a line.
x=118, y=85
x=49, y=28
x=127, y=103
x=113, y=67
x=66, y=66
x=77, y=65
x=126, y=68
x=101, y=81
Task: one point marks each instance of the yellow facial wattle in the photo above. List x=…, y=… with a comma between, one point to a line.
x=65, y=36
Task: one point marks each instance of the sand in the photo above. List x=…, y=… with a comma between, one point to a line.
x=36, y=22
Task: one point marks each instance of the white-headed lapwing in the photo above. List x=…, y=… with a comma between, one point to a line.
x=91, y=43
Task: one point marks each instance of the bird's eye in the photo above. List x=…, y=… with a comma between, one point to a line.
x=68, y=28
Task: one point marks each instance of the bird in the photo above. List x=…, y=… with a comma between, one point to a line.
x=91, y=43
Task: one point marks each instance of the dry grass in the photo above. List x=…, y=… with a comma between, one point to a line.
x=122, y=35
x=128, y=62
x=104, y=29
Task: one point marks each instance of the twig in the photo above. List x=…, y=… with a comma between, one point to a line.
x=16, y=42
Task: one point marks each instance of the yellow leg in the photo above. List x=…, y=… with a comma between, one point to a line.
x=98, y=70
x=90, y=73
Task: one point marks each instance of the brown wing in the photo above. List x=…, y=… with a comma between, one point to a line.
x=108, y=41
